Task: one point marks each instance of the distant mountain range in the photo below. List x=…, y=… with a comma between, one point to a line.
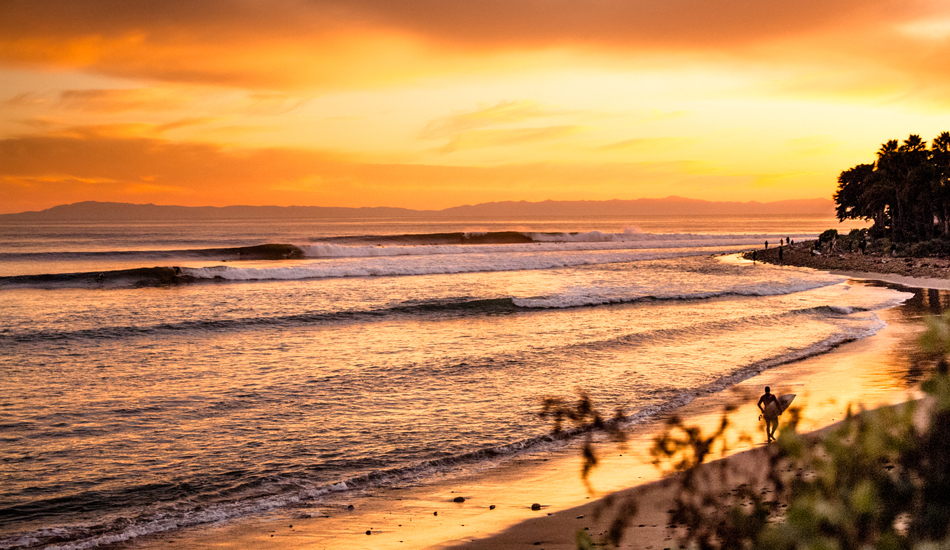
x=670, y=206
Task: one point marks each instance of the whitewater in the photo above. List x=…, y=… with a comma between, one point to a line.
x=159, y=384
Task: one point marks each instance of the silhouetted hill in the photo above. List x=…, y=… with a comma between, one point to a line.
x=120, y=211
x=670, y=206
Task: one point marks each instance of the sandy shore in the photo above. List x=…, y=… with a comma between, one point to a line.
x=496, y=512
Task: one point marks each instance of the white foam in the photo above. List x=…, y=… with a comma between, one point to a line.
x=588, y=297
x=546, y=242
x=473, y=261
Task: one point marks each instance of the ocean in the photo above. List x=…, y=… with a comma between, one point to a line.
x=160, y=376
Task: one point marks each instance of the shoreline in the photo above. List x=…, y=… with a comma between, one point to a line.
x=872, y=371
x=928, y=272
x=648, y=527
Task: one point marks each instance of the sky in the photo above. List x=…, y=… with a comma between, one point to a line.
x=430, y=104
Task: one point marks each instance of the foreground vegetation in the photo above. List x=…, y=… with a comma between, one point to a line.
x=879, y=479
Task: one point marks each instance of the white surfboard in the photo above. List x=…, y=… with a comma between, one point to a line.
x=773, y=409
x=786, y=400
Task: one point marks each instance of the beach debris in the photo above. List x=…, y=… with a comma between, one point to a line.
x=492, y=507
x=580, y=517
x=350, y=507
x=368, y=532
x=435, y=513
x=458, y=499
x=535, y=506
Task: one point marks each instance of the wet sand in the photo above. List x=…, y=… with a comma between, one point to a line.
x=872, y=372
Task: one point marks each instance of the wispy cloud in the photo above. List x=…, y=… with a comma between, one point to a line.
x=644, y=143
x=504, y=123
x=478, y=139
x=153, y=99
x=502, y=113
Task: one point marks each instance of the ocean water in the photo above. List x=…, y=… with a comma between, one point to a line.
x=161, y=376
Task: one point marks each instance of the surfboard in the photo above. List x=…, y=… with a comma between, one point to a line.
x=774, y=410
x=786, y=400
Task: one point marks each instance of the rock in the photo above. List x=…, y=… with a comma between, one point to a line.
x=458, y=499
x=535, y=506
x=368, y=532
x=435, y=513
x=350, y=507
x=492, y=507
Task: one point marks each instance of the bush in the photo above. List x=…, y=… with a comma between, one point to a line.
x=880, y=479
x=934, y=247
x=883, y=246
x=828, y=235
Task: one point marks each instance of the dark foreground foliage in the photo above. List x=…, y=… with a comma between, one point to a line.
x=879, y=479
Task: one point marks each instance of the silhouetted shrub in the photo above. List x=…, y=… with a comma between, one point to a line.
x=828, y=235
x=879, y=479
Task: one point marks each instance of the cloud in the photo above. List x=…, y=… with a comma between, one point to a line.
x=640, y=144
x=501, y=124
x=114, y=101
x=320, y=44
x=119, y=130
x=154, y=99
x=26, y=99
x=478, y=139
x=504, y=112
x=273, y=103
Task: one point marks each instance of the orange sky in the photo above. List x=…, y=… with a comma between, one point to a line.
x=435, y=103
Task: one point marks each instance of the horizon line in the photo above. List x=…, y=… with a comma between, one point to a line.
x=469, y=205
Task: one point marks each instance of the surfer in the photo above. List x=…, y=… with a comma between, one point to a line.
x=769, y=413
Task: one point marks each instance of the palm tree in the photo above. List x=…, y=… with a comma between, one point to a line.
x=906, y=191
x=940, y=158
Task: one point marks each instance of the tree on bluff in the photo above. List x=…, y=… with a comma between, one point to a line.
x=905, y=191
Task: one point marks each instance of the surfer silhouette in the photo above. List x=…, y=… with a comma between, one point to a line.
x=770, y=413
